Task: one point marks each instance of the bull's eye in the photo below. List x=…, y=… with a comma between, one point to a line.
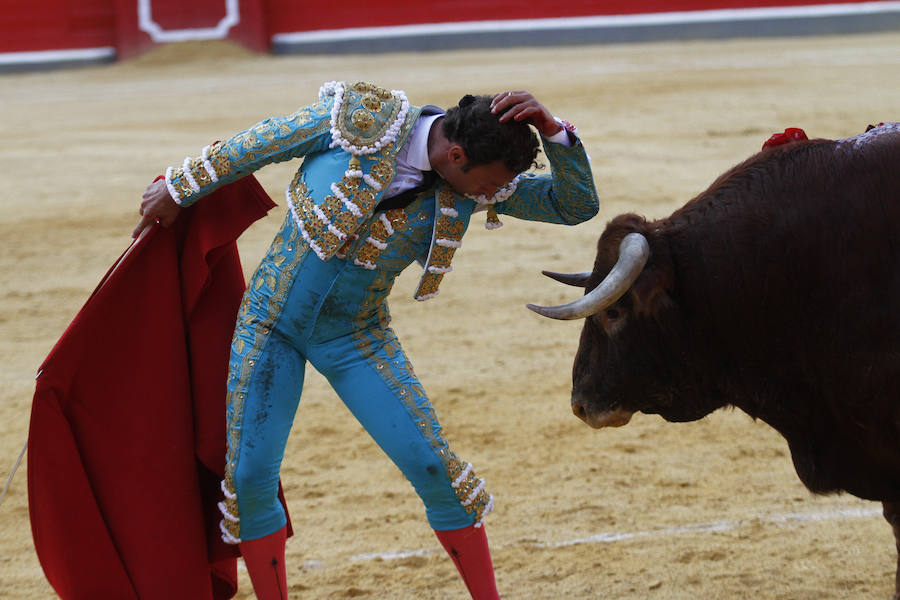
x=612, y=313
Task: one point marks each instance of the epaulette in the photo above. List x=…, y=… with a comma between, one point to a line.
x=364, y=117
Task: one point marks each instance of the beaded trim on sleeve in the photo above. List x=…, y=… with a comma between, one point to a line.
x=186, y=171
x=172, y=191
x=186, y=180
x=210, y=170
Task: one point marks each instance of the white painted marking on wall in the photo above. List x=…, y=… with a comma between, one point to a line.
x=158, y=34
x=54, y=56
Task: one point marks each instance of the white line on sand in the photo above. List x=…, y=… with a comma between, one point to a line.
x=866, y=511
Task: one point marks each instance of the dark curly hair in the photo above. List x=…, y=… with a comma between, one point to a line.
x=472, y=125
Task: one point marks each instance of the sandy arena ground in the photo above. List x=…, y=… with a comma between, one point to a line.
x=710, y=509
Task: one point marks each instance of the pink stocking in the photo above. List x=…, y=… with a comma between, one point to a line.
x=468, y=547
x=264, y=558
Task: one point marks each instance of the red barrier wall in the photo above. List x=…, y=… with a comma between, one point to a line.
x=287, y=16
x=30, y=26
x=27, y=25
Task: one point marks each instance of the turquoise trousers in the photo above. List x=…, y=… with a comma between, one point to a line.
x=333, y=314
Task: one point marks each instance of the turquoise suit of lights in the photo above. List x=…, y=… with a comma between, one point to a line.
x=319, y=294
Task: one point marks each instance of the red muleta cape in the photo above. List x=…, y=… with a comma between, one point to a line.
x=127, y=436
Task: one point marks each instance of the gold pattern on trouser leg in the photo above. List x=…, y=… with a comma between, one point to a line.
x=274, y=276
x=468, y=487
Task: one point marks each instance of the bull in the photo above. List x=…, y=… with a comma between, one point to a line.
x=776, y=291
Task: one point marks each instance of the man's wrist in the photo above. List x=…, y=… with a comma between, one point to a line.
x=552, y=128
x=566, y=135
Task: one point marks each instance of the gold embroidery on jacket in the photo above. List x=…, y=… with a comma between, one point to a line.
x=329, y=226
x=382, y=229
x=448, y=232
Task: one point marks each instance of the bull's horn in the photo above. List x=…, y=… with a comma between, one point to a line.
x=574, y=279
x=633, y=254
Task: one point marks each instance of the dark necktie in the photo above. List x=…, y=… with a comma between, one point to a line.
x=403, y=199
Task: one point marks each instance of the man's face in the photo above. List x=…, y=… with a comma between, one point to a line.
x=483, y=180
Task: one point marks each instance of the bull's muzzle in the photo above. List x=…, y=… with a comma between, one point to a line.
x=597, y=419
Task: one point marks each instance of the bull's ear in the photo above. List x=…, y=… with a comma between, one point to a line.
x=650, y=293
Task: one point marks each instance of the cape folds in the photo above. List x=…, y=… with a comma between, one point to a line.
x=127, y=434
